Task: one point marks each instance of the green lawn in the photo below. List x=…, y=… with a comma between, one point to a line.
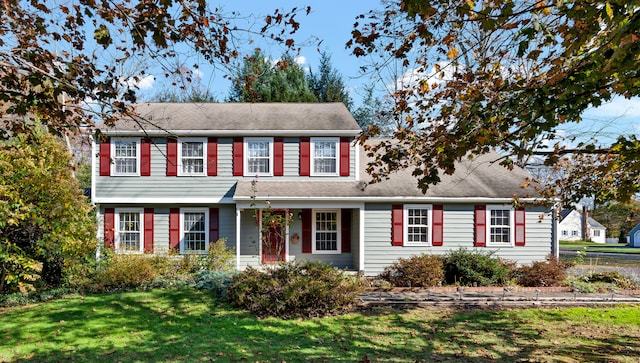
x=188, y=325
x=599, y=247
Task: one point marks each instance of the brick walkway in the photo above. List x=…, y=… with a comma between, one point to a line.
x=491, y=296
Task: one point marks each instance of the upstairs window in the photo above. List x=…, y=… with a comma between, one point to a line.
x=126, y=156
x=259, y=156
x=324, y=152
x=192, y=156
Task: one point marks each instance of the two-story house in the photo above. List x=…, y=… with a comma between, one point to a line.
x=186, y=174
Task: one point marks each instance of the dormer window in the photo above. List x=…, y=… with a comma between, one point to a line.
x=324, y=156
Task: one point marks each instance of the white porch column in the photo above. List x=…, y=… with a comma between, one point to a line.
x=361, y=239
x=238, y=237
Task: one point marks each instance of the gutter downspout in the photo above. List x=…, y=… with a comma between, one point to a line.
x=555, y=236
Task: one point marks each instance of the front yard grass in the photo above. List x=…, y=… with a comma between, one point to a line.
x=599, y=247
x=189, y=326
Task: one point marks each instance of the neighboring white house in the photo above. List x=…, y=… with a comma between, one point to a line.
x=187, y=174
x=571, y=227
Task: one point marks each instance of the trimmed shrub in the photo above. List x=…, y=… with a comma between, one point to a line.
x=294, y=289
x=415, y=271
x=465, y=267
x=552, y=272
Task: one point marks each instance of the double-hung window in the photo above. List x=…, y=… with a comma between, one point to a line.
x=194, y=230
x=417, y=224
x=325, y=158
x=500, y=226
x=259, y=156
x=126, y=156
x=129, y=231
x=192, y=153
x=326, y=231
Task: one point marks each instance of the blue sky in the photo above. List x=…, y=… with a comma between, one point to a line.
x=332, y=22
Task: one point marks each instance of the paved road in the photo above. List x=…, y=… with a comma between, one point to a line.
x=602, y=254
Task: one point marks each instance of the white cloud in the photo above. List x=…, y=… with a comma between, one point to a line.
x=618, y=107
x=301, y=60
x=143, y=83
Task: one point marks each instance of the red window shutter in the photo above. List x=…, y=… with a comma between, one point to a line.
x=278, y=156
x=397, y=225
x=305, y=156
x=214, y=224
x=306, y=231
x=172, y=157
x=238, y=157
x=145, y=157
x=345, y=164
x=520, y=217
x=174, y=228
x=109, y=225
x=437, y=225
x=105, y=157
x=148, y=230
x=212, y=156
x=480, y=221
x=345, y=226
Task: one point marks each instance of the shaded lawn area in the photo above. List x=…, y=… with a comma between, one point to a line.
x=189, y=326
x=599, y=247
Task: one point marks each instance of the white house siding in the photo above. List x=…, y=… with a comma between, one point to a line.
x=458, y=232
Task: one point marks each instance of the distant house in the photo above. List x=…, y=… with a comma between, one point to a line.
x=634, y=236
x=572, y=224
x=195, y=173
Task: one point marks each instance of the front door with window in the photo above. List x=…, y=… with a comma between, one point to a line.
x=274, y=235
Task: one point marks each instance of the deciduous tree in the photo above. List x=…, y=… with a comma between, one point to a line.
x=507, y=75
x=47, y=226
x=60, y=61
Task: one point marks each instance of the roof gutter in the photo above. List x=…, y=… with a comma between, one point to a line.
x=293, y=133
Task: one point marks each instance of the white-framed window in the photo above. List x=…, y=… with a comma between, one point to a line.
x=125, y=153
x=326, y=231
x=417, y=222
x=259, y=156
x=574, y=233
x=596, y=233
x=194, y=230
x=325, y=156
x=192, y=154
x=129, y=233
x=565, y=232
x=500, y=226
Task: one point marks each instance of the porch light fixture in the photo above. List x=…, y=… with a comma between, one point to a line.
x=300, y=215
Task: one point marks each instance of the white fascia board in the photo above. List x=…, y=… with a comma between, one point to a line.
x=230, y=133
x=481, y=200
x=172, y=200
x=301, y=204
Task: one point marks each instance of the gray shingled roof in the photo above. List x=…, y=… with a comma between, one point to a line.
x=241, y=118
x=480, y=178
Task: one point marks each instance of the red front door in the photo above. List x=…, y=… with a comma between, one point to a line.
x=274, y=237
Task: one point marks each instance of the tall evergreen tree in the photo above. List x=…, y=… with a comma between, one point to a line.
x=327, y=83
x=258, y=80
